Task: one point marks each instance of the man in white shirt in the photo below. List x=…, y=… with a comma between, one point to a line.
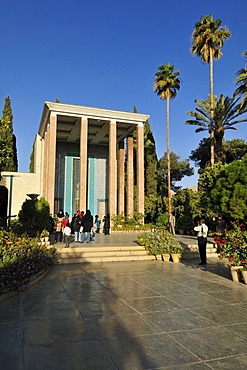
x=202, y=233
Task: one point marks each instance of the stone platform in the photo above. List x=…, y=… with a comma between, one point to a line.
x=127, y=315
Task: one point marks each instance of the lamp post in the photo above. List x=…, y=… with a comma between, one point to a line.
x=11, y=181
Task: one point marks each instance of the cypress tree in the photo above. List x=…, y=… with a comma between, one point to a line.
x=150, y=172
x=31, y=163
x=150, y=162
x=8, y=150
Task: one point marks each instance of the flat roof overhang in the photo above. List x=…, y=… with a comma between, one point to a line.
x=69, y=118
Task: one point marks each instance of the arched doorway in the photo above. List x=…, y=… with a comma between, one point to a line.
x=3, y=206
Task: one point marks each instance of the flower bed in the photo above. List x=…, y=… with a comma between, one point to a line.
x=233, y=245
x=160, y=241
x=21, y=258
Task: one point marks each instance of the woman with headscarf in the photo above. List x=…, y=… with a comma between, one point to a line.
x=87, y=223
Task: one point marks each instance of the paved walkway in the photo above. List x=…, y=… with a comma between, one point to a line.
x=127, y=315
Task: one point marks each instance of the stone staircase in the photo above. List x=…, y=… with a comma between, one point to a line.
x=191, y=250
x=123, y=247
x=90, y=254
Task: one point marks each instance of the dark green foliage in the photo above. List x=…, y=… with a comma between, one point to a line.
x=223, y=189
x=31, y=164
x=150, y=162
x=8, y=151
x=186, y=204
x=152, y=199
x=229, y=194
x=201, y=155
x=206, y=184
x=231, y=151
x=179, y=169
x=150, y=173
x=34, y=216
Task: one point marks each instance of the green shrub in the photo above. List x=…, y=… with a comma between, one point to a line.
x=160, y=241
x=33, y=217
x=132, y=221
x=20, y=259
x=162, y=220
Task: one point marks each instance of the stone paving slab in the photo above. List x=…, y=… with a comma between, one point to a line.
x=127, y=315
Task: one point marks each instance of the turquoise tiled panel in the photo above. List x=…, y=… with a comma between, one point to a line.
x=68, y=176
x=91, y=179
x=68, y=184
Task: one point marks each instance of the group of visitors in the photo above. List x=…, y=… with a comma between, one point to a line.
x=81, y=226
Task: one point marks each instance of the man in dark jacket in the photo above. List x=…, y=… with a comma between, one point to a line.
x=107, y=224
x=87, y=223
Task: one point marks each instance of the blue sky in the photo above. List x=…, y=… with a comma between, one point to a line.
x=106, y=53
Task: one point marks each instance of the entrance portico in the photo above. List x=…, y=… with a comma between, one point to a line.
x=83, y=156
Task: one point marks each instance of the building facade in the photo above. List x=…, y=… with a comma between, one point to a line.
x=84, y=159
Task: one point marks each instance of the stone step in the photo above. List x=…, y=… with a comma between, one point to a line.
x=191, y=251
x=101, y=254
x=105, y=258
x=90, y=253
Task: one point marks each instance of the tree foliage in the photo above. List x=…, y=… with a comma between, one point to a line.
x=230, y=191
x=152, y=199
x=186, y=203
x=223, y=189
x=241, y=82
x=33, y=216
x=207, y=41
x=8, y=151
x=179, y=169
x=231, y=150
x=31, y=163
x=226, y=115
x=166, y=85
x=206, y=184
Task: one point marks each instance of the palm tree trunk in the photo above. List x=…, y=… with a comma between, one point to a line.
x=211, y=111
x=168, y=156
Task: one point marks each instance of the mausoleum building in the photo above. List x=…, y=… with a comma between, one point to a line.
x=84, y=159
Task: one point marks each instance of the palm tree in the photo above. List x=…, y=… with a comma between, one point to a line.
x=226, y=112
x=207, y=41
x=241, y=81
x=166, y=85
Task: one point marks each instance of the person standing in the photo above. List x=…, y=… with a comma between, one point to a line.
x=172, y=223
x=202, y=233
x=97, y=224
x=220, y=225
x=59, y=228
x=66, y=234
x=77, y=224
x=107, y=224
x=87, y=223
x=50, y=228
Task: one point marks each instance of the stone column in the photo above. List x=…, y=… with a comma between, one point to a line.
x=83, y=164
x=112, y=167
x=45, y=166
x=130, y=176
x=140, y=168
x=121, y=178
x=51, y=141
